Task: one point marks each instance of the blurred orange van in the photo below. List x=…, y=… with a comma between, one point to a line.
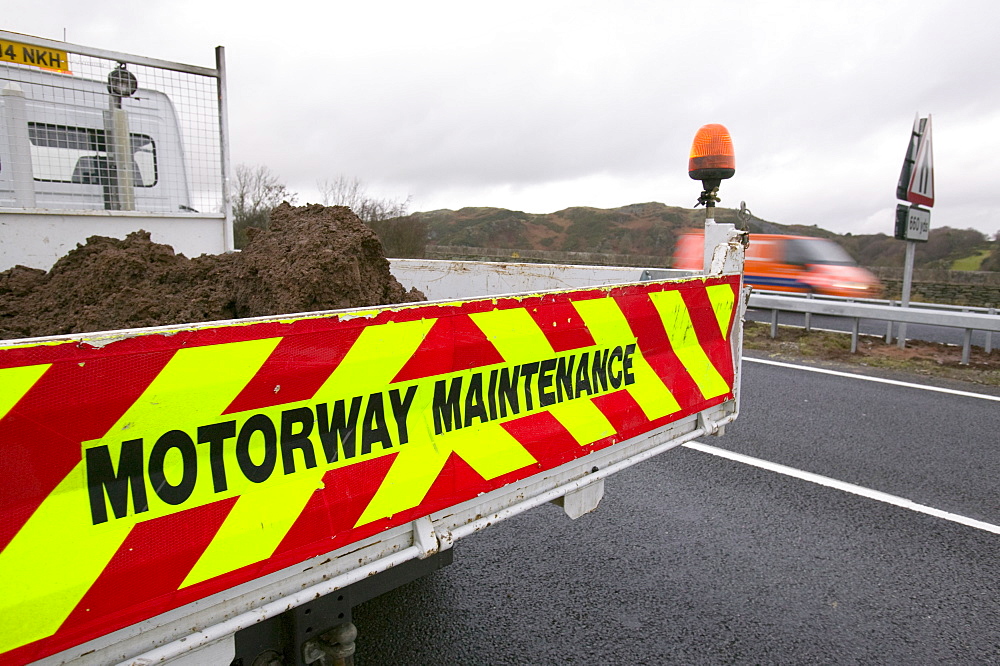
x=790, y=263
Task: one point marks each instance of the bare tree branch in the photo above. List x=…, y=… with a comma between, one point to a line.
x=256, y=192
x=351, y=192
x=401, y=235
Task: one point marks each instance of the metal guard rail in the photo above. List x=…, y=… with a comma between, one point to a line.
x=970, y=321
x=878, y=301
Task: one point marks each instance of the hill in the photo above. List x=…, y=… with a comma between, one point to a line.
x=946, y=248
x=646, y=228
x=652, y=228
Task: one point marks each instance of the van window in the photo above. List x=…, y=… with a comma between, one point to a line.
x=63, y=154
x=804, y=251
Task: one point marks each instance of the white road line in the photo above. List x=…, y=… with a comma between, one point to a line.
x=866, y=378
x=845, y=487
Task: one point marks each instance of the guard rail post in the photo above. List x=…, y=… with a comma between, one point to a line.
x=808, y=315
x=988, y=346
x=888, y=328
x=981, y=319
x=966, y=346
x=966, y=343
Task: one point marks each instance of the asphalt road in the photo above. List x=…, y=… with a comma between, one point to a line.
x=695, y=559
x=943, y=334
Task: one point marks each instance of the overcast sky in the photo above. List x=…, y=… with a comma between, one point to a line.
x=538, y=105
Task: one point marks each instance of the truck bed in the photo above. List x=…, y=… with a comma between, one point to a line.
x=171, y=486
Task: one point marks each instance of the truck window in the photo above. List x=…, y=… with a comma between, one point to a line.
x=63, y=154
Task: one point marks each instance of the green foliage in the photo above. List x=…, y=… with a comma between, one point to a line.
x=642, y=229
x=478, y=227
x=972, y=262
x=592, y=230
x=874, y=249
x=992, y=262
x=244, y=224
x=402, y=237
x=944, y=246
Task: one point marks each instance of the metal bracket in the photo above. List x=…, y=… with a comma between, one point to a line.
x=334, y=648
x=725, y=247
x=424, y=537
x=709, y=197
x=582, y=500
x=710, y=427
x=744, y=216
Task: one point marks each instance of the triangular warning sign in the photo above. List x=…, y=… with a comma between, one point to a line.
x=921, y=187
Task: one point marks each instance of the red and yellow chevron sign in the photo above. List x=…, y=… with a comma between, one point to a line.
x=149, y=470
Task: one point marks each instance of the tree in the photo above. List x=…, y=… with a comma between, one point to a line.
x=401, y=235
x=945, y=244
x=351, y=192
x=256, y=192
x=992, y=262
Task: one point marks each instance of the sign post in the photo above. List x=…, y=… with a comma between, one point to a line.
x=916, y=185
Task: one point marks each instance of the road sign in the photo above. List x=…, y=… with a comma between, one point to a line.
x=921, y=188
x=916, y=185
x=912, y=223
x=916, y=180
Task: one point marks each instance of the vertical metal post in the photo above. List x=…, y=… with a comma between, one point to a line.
x=911, y=248
x=116, y=132
x=808, y=315
x=966, y=346
x=709, y=248
x=774, y=323
x=227, y=202
x=855, y=330
x=989, y=335
x=22, y=173
x=736, y=343
x=888, y=329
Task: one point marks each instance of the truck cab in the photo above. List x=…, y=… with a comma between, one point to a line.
x=57, y=153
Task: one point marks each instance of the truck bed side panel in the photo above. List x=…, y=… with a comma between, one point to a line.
x=149, y=469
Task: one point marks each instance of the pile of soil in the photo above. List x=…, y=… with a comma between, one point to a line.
x=311, y=258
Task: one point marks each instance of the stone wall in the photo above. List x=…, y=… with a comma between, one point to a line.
x=974, y=288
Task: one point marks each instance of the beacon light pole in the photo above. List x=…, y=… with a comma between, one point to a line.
x=712, y=161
